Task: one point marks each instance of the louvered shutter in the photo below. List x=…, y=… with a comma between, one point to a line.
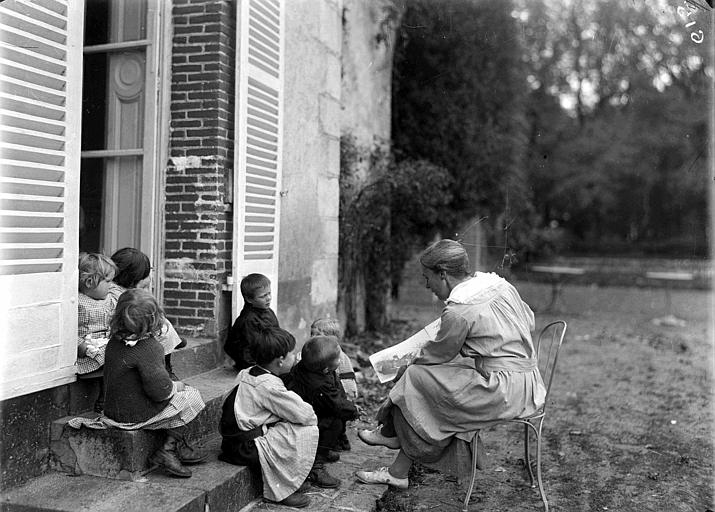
x=259, y=127
x=40, y=108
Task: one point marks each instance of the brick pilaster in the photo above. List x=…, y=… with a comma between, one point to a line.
x=198, y=226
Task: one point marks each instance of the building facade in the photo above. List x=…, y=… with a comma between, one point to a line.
x=204, y=132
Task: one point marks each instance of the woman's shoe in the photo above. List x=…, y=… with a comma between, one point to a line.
x=375, y=438
x=382, y=476
x=170, y=462
x=295, y=500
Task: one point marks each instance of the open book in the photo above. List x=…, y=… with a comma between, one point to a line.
x=386, y=362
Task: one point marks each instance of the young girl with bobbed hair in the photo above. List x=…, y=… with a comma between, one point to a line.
x=140, y=394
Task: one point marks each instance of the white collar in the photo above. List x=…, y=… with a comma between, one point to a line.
x=474, y=288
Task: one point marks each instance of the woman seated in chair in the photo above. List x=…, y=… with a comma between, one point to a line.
x=480, y=368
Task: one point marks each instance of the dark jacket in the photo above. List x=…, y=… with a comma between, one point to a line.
x=243, y=330
x=321, y=390
x=138, y=387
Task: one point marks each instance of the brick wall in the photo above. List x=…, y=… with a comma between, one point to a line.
x=198, y=225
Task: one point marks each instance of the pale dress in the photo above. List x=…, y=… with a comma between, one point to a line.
x=286, y=451
x=481, y=367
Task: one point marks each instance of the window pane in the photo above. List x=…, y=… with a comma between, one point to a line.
x=96, y=22
x=94, y=101
x=110, y=203
x=114, y=21
x=91, y=197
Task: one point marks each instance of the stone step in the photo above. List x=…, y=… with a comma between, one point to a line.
x=215, y=486
x=200, y=355
x=124, y=454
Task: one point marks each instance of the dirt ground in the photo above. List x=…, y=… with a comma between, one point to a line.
x=629, y=423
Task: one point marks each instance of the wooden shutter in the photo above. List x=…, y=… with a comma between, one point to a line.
x=40, y=108
x=258, y=152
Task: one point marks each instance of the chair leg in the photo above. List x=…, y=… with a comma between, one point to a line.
x=474, y=474
x=527, y=456
x=538, y=466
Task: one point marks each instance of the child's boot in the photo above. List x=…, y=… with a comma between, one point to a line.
x=295, y=500
x=170, y=462
x=168, y=458
x=187, y=454
x=327, y=455
x=319, y=477
x=343, y=443
x=167, y=364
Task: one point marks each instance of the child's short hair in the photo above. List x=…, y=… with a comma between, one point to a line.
x=269, y=343
x=251, y=283
x=326, y=327
x=132, y=267
x=137, y=313
x=93, y=269
x=318, y=351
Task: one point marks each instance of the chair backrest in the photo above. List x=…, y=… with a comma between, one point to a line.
x=548, y=345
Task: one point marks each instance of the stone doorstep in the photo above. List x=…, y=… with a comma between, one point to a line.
x=124, y=454
x=215, y=486
x=200, y=355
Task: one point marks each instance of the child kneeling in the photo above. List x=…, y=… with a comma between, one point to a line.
x=139, y=390
x=263, y=424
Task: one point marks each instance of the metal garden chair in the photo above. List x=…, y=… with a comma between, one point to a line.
x=553, y=336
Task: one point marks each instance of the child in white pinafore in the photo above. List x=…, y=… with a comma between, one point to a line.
x=263, y=424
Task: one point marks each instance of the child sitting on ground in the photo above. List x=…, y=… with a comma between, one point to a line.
x=134, y=271
x=140, y=392
x=315, y=380
x=94, y=310
x=263, y=424
x=255, y=315
x=331, y=327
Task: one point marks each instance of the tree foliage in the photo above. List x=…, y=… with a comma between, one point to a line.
x=379, y=220
x=617, y=130
x=458, y=88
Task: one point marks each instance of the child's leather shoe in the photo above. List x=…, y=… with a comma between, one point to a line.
x=170, y=462
x=343, y=444
x=319, y=477
x=295, y=500
x=305, y=487
x=188, y=454
x=327, y=455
